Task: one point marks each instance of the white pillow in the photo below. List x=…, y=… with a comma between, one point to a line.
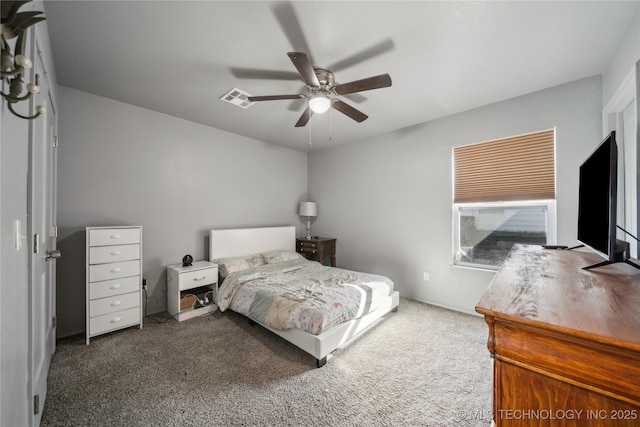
x=229, y=265
x=272, y=257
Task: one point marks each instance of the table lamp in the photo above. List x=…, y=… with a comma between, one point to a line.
x=308, y=209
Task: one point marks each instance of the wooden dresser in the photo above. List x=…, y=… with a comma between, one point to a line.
x=565, y=341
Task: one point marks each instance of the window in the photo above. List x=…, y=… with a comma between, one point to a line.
x=504, y=193
x=485, y=232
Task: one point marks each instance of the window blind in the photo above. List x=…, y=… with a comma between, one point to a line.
x=516, y=168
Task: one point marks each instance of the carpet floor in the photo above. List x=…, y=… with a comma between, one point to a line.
x=421, y=366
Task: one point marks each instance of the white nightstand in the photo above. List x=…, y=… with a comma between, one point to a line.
x=199, y=279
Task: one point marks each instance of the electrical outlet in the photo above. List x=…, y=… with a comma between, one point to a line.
x=426, y=276
x=144, y=284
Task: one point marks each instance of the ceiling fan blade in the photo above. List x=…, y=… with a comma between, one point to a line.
x=376, y=82
x=355, y=97
x=298, y=105
x=365, y=54
x=255, y=73
x=273, y=97
x=304, y=118
x=286, y=16
x=349, y=111
x=305, y=68
x=10, y=8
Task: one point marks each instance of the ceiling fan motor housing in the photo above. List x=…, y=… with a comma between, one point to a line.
x=325, y=77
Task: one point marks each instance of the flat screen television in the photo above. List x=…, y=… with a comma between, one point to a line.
x=597, y=204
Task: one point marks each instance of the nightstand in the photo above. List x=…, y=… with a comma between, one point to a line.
x=317, y=249
x=186, y=285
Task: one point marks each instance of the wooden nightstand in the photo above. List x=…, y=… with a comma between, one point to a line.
x=200, y=280
x=318, y=249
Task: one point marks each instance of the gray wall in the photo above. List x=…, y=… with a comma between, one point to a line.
x=388, y=200
x=123, y=165
x=623, y=61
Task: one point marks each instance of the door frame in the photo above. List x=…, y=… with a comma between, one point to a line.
x=627, y=92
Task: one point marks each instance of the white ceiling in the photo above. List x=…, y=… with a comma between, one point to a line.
x=444, y=57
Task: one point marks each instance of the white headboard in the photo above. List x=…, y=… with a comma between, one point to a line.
x=246, y=241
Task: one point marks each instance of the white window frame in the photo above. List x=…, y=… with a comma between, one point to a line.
x=551, y=230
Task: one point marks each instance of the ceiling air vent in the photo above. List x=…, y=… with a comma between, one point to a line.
x=237, y=97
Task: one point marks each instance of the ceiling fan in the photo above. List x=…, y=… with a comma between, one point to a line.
x=322, y=91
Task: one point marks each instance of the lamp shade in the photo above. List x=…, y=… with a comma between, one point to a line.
x=308, y=209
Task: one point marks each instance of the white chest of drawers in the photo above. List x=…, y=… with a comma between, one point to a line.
x=113, y=279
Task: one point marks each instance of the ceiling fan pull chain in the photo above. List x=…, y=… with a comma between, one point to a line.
x=309, y=127
x=330, y=126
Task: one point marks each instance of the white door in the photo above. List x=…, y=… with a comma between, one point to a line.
x=41, y=211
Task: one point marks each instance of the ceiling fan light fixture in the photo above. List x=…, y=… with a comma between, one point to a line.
x=319, y=104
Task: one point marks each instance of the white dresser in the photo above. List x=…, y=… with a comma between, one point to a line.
x=113, y=279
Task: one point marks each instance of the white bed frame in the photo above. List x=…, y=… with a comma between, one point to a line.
x=246, y=241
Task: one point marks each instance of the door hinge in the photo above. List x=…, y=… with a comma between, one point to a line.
x=36, y=404
x=54, y=321
x=54, y=231
x=55, y=141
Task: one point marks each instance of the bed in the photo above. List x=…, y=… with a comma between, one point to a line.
x=253, y=261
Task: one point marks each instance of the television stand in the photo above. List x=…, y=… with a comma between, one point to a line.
x=621, y=254
x=603, y=263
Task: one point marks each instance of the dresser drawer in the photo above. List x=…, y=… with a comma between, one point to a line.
x=308, y=245
x=101, y=306
x=114, y=270
x=114, y=236
x=105, y=254
x=193, y=279
x=113, y=321
x=308, y=250
x=109, y=288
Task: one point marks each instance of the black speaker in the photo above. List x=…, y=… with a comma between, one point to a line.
x=187, y=260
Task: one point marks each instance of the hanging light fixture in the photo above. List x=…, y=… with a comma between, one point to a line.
x=13, y=67
x=319, y=103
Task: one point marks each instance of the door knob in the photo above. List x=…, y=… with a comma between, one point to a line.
x=53, y=254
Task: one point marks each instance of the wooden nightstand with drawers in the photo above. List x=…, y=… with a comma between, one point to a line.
x=318, y=249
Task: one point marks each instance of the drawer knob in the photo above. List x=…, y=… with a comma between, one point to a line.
x=116, y=270
x=116, y=286
x=196, y=279
x=116, y=253
x=116, y=319
x=116, y=236
x=116, y=303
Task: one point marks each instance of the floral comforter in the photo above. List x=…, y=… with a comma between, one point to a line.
x=301, y=294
